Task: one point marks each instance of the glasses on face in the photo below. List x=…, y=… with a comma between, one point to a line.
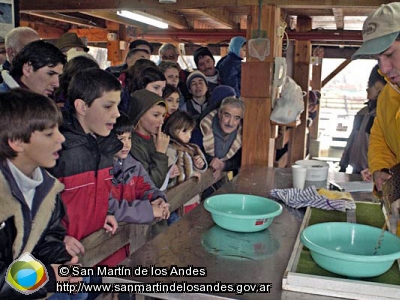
x=168, y=57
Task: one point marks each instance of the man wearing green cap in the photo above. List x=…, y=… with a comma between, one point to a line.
x=381, y=41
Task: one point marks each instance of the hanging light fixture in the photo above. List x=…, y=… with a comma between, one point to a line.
x=142, y=18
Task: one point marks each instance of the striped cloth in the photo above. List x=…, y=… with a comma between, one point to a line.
x=297, y=198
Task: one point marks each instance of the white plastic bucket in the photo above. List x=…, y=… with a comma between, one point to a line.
x=317, y=172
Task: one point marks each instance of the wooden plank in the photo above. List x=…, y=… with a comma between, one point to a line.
x=256, y=131
x=221, y=16
x=339, y=17
x=256, y=89
x=329, y=286
x=45, y=32
x=65, y=18
x=301, y=74
x=173, y=19
x=94, y=35
x=100, y=244
x=256, y=82
x=316, y=85
x=335, y=72
x=180, y=194
x=110, y=16
x=81, y=5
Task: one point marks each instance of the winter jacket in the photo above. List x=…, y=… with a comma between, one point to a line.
x=213, y=81
x=8, y=82
x=356, y=151
x=6, y=66
x=131, y=194
x=117, y=70
x=230, y=71
x=183, y=155
x=38, y=231
x=230, y=66
x=132, y=191
x=85, y=168
x=155, y=163
x=384, y=146
x=193, y=108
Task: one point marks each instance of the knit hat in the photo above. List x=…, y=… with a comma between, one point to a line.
x=236, y=44
x=220, y=92
x=380, y=30
x=202, y=51
x=141, y=101
x=193, y=75
x=70, y=39
x=139, y=42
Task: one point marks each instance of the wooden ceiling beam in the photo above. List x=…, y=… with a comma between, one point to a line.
x=175, y=20
x=221, y=16
x=66, y=19
x=81, y=5
x=118, y=19
x=339, y=18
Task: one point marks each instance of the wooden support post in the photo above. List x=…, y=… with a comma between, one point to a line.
x=316, y=85
x=256, y=88
x=114, y=54
x=301, y=74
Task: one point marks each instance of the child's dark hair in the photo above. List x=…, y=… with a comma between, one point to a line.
x=179, y=120
x=146, y=76
x=133, y=71
x=39, y=54
x=73, y=67
x=91, y=84
x=169, y=90
x=123, y=125
x=22, y=113
x=375, y=76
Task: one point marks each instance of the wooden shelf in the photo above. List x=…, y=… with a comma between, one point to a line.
x=293, y=124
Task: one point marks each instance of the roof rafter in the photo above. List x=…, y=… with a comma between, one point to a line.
x=221, y=16
x=339, y=18
x=65, y=18
x=118, y=19
x=81, y=5
x=175, y=20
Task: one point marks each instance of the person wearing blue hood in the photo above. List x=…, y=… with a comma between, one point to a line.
x=230, y=66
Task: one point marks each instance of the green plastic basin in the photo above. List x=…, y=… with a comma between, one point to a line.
x=348, y=249
x=242, y=213
x=239, y=245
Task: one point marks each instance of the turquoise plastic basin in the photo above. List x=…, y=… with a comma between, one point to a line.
x=239, y=245
x=348, y=249
x=242, y=213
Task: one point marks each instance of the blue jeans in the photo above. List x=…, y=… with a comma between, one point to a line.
x=173, y=217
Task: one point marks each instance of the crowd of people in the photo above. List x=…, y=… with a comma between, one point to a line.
x=83, y=148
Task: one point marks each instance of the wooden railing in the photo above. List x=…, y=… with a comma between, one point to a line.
x=100, y=244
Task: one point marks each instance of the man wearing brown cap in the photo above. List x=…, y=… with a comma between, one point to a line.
x=70, y=40
x=382, y=41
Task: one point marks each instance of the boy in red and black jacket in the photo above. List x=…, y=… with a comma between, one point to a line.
x=86, y=160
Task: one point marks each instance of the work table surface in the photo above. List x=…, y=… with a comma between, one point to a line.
x=263, y=257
